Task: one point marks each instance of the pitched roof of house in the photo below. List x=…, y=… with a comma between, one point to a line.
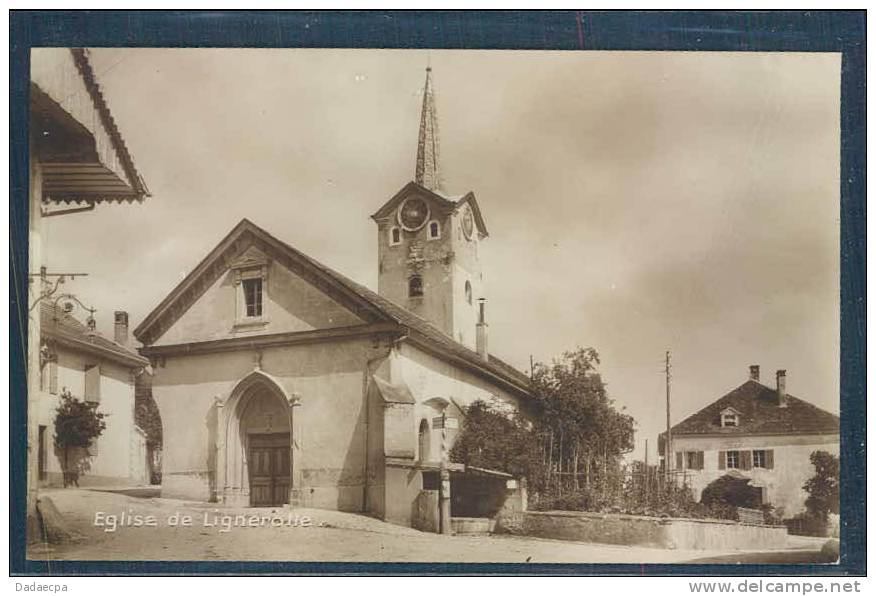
x=759, y=413
x=361, y=299
x=67, y=330
x=110, y=174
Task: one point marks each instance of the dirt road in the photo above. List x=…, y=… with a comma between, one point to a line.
x=280, y=535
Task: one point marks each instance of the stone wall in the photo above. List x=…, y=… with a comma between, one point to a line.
x=633, y=530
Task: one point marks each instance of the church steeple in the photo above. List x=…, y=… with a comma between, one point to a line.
x=428, y=243
x=427, y=174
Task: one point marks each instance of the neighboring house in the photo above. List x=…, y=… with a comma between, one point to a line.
x=75, y=358
x=758, y=433
x=278, y=378
x=76, y=156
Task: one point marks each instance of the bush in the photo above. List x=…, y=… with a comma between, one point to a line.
x=823, y=487
x=77, y=425
x=735, y=492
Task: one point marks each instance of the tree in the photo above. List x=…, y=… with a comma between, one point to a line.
x=77, y=425
x=495, y=439
x=147, y=417
x=574, y=433
x=582, y=434
x=823, y=487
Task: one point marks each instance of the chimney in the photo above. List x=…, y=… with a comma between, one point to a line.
x=780, y=388
x=754, y=372
x=121, y=328
x=482, y=332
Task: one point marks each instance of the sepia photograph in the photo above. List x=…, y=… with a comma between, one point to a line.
x=434, y=306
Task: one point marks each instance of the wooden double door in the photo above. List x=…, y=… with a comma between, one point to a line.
x=269, y=469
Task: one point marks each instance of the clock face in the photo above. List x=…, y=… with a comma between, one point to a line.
x=413, y=214
x=467, y=223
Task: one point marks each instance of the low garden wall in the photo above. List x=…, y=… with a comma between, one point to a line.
x=635, y=530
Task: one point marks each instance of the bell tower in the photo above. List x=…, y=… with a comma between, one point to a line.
x=428, y=242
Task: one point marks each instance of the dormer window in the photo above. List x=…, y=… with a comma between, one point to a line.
x=415, y=286
x=729, y=418
x=394, y=236
x=434, y=230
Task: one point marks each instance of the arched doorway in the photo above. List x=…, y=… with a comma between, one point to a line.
x=255, y=458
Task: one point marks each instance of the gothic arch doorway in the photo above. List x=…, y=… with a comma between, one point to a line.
x=255, y=466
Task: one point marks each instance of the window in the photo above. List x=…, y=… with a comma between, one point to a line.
x=415, y=286
x=41, y=462
x=252, y=295
x=729, y=419
x=424, y=440
x=394, y=236
x=468, y=291
x=733, y=459
x=48, y=370
x=249, y=274
x=434, y=230
x=53, y=376
x=92, y=383
x=694, y=460
x=759, y=458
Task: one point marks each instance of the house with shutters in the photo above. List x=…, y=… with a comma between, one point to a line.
x=758, y=433
x=75, y=358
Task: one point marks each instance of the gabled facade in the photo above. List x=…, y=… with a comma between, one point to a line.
x=757, y=433
x=347, y=383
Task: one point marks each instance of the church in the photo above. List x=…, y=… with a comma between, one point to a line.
x=281, y=381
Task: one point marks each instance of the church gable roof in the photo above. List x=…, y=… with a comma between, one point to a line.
x=247, y=243
x=365, y=303
x=759, y=413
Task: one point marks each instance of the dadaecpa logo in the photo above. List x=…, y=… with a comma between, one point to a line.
x=36, y=587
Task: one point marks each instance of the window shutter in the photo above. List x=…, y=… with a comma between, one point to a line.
x=53, y=377
x=679, y=460
x=769, y=459
x=92, y=383
x=701, y=460
x=746, y=460
x=722, y=460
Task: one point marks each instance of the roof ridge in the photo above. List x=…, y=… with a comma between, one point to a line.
x=362, y=288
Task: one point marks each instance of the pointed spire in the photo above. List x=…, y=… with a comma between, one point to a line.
x=427, y=174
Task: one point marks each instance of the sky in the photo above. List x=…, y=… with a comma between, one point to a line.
x=637, y=202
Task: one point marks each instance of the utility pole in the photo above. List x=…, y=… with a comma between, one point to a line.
x=668, y=445
x=647, y=472
x=444, y=474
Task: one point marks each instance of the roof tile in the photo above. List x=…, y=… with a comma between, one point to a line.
x=759, y=413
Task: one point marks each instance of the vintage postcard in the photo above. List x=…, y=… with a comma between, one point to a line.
x=434, y=306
